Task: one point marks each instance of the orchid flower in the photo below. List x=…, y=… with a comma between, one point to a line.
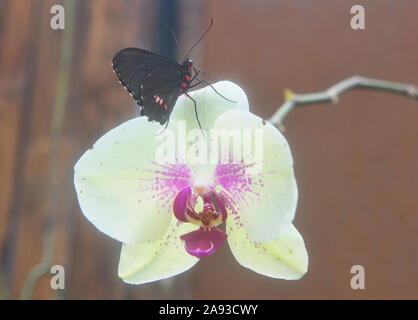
x=169, y=210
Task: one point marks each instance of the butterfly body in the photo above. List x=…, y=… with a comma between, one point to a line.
x=154, y=81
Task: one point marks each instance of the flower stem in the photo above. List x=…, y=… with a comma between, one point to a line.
x=333, y=93
x=53, y=171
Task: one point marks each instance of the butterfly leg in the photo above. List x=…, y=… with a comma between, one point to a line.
x=196, y=84
x=206, y=82
x=195, y=74
x=195, y=110
x=165, y=128
x=204, y=72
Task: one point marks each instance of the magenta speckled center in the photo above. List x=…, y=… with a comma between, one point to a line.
x=174, y=186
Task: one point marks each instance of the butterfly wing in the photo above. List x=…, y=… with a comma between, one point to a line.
x=160, y=93
x=151, y=79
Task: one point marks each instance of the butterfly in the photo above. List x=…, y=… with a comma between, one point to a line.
x=155, y=81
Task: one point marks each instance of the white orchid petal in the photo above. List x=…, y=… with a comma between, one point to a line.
x=266, y=199
x=184, y=128
x=121, y=189
x=283, y=258
x=142, y=263
x=210, y=105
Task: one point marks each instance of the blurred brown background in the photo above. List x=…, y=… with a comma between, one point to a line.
x=356, y=162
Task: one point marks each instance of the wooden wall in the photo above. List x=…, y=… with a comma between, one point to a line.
x=356, y=162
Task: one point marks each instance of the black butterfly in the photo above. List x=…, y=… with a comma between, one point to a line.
x=154, y=81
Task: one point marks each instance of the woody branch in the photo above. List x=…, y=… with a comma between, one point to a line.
x=333, y=93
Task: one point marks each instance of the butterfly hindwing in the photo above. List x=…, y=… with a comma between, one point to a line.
x=160, y=93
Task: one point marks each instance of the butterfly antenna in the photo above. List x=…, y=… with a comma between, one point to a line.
x=203, y=35
x=178, y=44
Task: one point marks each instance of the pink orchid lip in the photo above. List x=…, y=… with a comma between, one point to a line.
x=207, y=239
x=202, y=243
